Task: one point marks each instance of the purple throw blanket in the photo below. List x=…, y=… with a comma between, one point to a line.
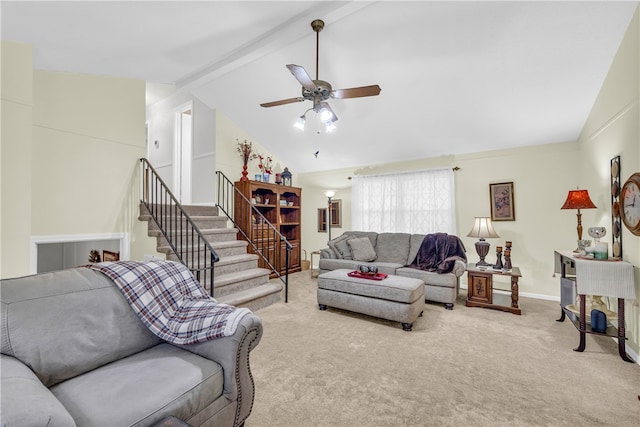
x=170, y=302
x=439, y=252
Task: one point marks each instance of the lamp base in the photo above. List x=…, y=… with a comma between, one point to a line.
x=482, y=249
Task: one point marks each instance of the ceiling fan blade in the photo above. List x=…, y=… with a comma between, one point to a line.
x=282, y=102
x=356, y=92
x=302, y=76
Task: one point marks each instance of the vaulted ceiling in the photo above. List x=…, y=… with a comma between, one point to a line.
x=456, y=77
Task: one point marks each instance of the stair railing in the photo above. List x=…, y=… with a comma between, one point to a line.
x=183, y=235
x=267, y=240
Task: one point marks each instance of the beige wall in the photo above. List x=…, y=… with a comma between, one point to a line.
x=16, y=95
x=228, y=160
x=612, y=129
x=72, y=168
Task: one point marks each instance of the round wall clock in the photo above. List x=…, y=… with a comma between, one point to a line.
x=630, y=201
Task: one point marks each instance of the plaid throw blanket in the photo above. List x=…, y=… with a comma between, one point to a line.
x=170, y=302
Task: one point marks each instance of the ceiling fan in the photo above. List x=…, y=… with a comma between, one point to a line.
x=319, y=91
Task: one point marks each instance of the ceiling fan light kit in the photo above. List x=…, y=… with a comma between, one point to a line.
x=319, y=91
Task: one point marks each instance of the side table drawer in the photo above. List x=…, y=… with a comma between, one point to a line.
x=480, y=287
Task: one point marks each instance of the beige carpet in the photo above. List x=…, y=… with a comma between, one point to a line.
x=466, y=367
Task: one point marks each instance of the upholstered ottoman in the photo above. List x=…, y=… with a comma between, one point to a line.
x=395, y=298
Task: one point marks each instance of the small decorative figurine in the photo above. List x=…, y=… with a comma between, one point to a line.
x=498, y=265
x=507, y=259
x=94, y=256
x=507, y=255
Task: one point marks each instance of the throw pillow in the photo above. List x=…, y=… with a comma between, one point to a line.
x=362, y=249
x=340, y=247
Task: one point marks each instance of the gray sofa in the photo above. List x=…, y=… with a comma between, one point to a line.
x=74, y=353
x=393, y=252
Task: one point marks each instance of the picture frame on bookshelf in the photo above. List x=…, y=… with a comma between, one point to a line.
x=110, y=256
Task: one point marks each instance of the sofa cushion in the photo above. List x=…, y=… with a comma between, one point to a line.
x=362, y=249
x=415, y=243
x=66, y=323
x=393, y=247
x=334, y=264
x=24, y=398
x=447, y=280
x=341, y=247
x=371, y=235
x=163, y=380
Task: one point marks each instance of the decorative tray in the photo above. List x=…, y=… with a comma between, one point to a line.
x=370, y=276
x=590, y=258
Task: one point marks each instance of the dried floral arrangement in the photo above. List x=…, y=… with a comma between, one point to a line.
x=245, y=149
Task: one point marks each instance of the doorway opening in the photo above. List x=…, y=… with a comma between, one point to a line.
x=183, y=153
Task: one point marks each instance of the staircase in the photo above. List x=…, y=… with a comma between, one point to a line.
x=238, y=280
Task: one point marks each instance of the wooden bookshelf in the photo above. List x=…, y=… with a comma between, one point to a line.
x=281, y=206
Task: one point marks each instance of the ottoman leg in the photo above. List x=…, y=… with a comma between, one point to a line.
x=322, y=306
x=407, y=326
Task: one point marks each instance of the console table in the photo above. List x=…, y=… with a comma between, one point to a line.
x=596, y=277
x=480, y=289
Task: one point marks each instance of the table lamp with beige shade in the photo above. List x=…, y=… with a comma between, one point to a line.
x=482, y=229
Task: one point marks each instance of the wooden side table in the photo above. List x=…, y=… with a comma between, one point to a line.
x=480, y=289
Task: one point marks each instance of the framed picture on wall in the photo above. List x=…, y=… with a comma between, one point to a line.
x=336, y=213
x=322, y=220
x=501, y=198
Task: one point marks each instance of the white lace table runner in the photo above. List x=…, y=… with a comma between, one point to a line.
x=605, y=278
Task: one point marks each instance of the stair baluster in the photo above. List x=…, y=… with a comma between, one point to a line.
x=177, y=227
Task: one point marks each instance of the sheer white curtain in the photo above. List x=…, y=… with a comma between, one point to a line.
x=412, y=202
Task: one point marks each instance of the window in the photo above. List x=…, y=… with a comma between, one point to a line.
x=413, y=202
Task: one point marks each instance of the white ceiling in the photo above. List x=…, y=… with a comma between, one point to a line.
x=456, y=77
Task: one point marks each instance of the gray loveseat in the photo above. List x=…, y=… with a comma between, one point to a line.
x=392, y=253
x=74, y=353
